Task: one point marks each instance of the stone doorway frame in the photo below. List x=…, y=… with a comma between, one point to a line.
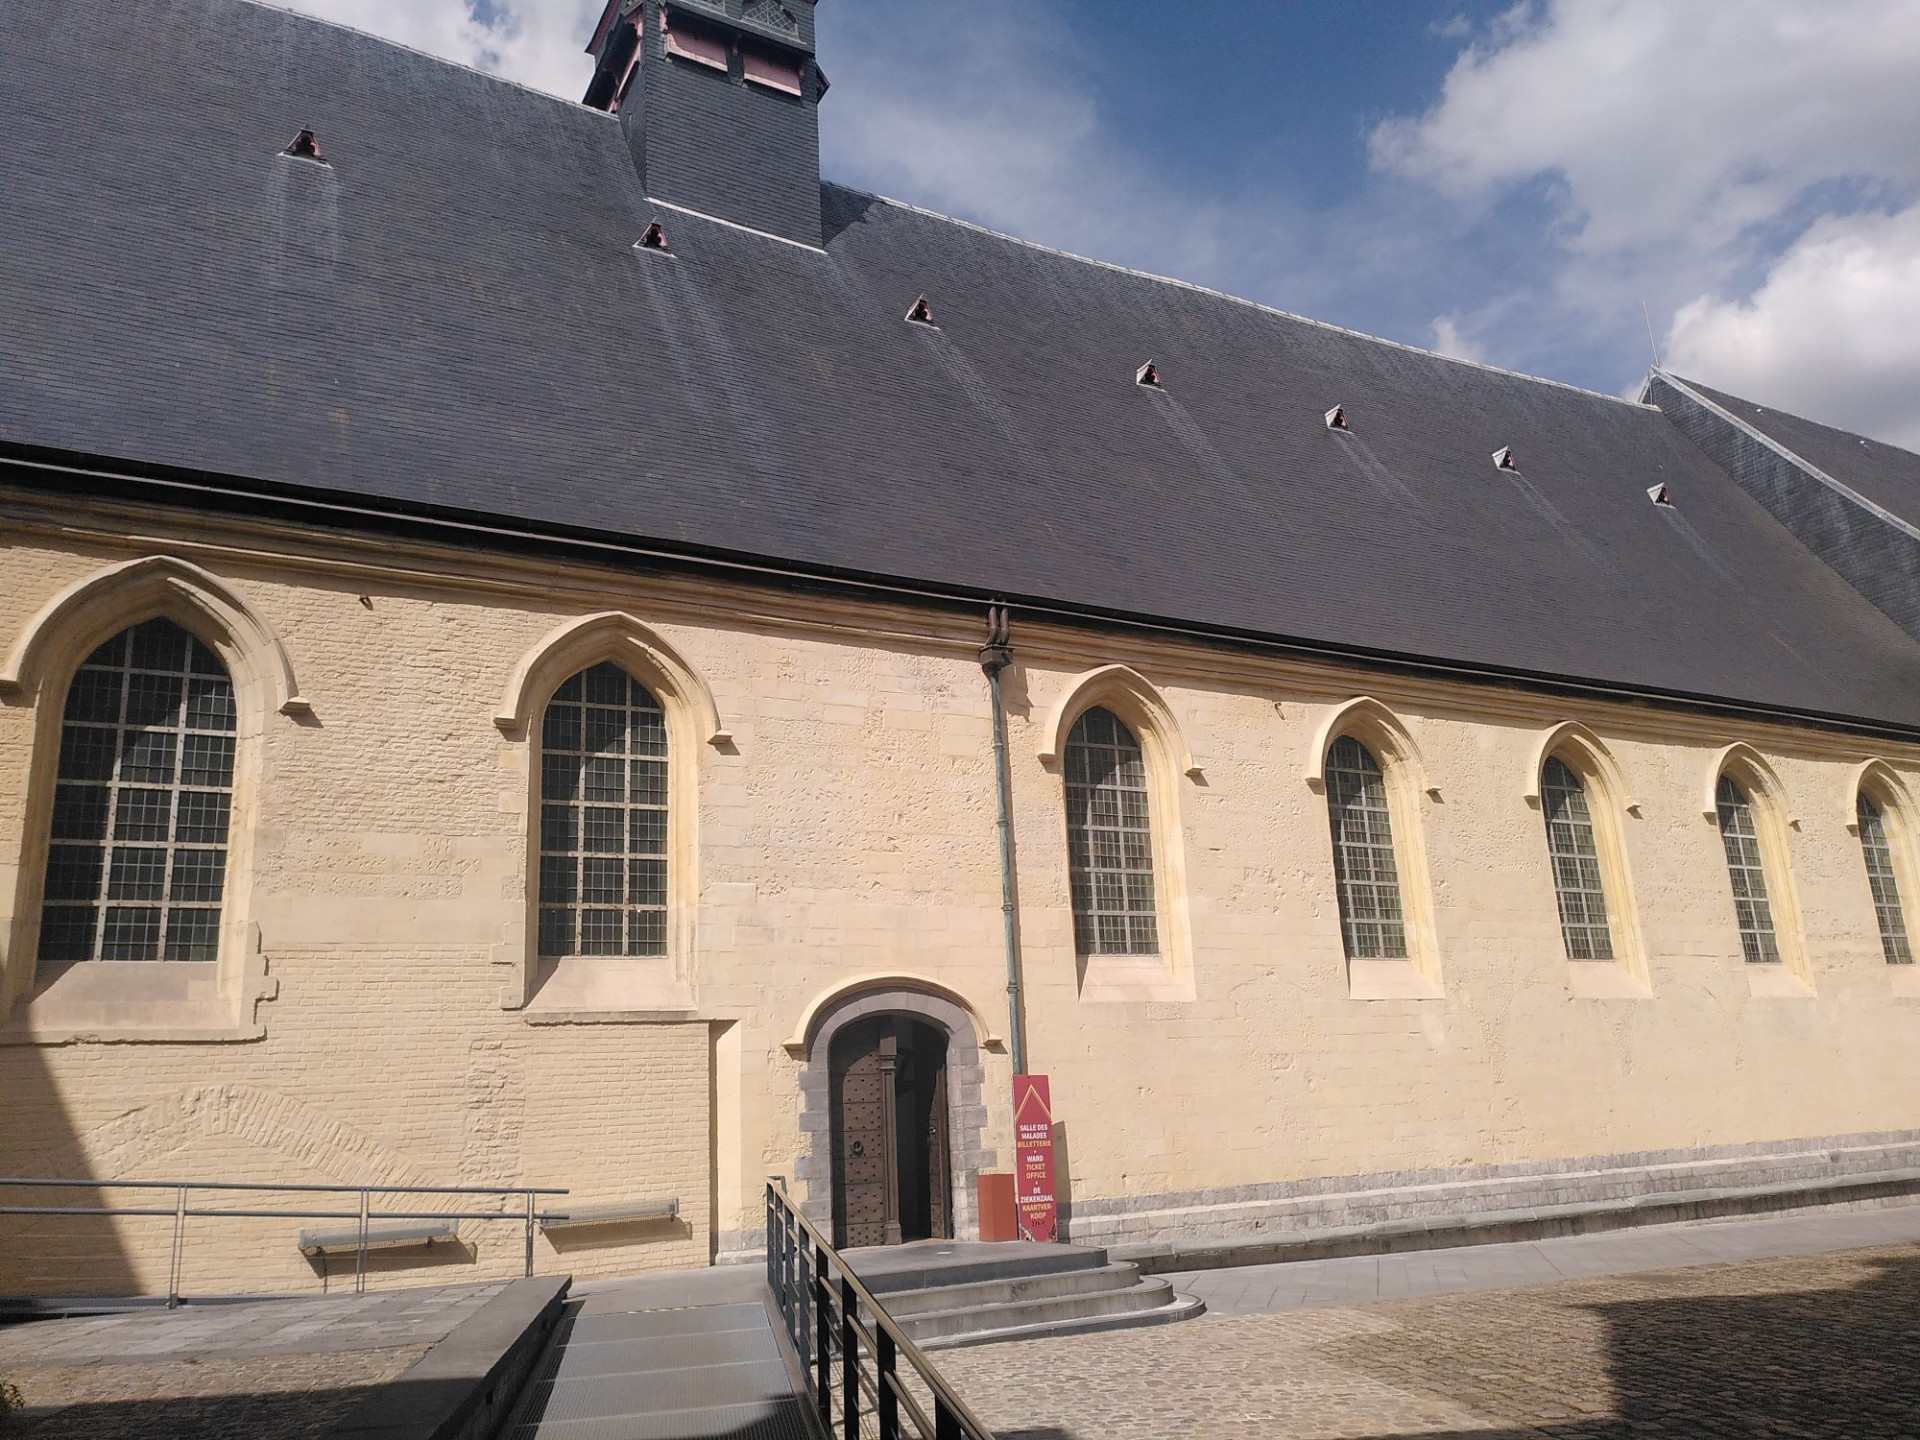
x=966, y=1107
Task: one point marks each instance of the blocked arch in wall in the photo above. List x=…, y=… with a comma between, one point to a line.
x=966, y=1106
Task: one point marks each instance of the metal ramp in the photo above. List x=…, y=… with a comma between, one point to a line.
x=690, y=1356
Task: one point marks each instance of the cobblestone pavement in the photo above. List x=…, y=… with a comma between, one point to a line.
x=1823, y=1345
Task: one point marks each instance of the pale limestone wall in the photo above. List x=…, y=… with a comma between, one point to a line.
x=846, y=830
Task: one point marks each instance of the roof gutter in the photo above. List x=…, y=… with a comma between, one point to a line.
x=56, y=470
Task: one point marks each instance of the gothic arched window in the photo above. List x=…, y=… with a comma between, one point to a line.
x=1576, y=863
x=1878, y=850
x=1371, y=920
x=1747, y=871
x=143, y=795
x=603, y=818
x=1109, y=839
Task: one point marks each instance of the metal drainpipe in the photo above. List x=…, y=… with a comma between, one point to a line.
x=995, y=656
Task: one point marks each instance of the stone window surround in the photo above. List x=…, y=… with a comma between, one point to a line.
x=1609, y=799
x=1888, y=790
x=123, y=1001
x=1773, y=818
x=1418, y=977
x=619, y=986
x=966, y=1107
x=1168, y=976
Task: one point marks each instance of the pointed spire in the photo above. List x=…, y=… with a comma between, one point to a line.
x=1337, y=418
x=920, y=312
x=1504, y=458
x=1147, y=375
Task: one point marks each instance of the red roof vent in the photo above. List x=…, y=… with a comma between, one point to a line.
x=653, y=238
x=304, y=147
x=1504, y=459
x=1147, y=375
x=1337, y=418
x=920, y=312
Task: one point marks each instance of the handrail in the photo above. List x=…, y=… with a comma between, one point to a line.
x=288, y=1188
x=181, y=1211
x=824, y=1319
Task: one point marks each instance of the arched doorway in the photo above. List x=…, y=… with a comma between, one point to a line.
x=892, y=1168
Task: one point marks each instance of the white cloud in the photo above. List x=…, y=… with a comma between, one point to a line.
x=1664, y=122
x=979, y=111
x=1682, y=154
x=1832, y=333
x=1448, y=340
x=540, y=43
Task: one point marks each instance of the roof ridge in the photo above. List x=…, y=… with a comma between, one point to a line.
x=1240, y=299
x=424, y=54
x=1795, y=415
x=1786, y=451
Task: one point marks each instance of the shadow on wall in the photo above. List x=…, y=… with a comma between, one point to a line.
x=1838, y=1362
x=46, y=1255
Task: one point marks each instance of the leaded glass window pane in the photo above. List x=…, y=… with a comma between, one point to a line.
x=137, y=858
x=1109, y=839
x=602, y=885
x=1752, y=911
x=1576, y=864
x=1371, y=922
x=1886, y=889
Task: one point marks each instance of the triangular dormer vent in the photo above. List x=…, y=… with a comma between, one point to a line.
x=653, y=238
x=1658, y=494
x=1337, y=418
x=1147, y=375
x=920, y=312
x=1504, y=459
x=304, y=147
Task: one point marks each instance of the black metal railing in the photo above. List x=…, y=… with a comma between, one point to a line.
x=860, y=1367
x=365, y=1216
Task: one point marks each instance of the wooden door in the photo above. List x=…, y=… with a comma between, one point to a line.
x=866, y=1202
x=939, y=1170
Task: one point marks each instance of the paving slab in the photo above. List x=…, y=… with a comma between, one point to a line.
x=262, y=1370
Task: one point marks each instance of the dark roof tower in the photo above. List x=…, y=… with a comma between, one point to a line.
x=718, y=101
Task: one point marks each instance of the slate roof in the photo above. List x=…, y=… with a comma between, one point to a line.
x=451, y=315
x=1884, y=474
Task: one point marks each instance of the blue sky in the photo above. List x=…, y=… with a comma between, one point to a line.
x=1507, y=182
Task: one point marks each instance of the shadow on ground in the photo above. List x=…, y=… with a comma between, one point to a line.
x=1841, y=1361
x=304, y=1415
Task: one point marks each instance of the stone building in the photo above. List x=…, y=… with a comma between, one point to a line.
x=492, y=692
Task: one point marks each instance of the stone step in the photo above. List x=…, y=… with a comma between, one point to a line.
x=1179, y=1307
x=904, y=1303
x=924, y=1264
x=1132, y=1299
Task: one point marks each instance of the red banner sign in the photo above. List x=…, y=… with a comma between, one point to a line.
x=1033, y=1158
